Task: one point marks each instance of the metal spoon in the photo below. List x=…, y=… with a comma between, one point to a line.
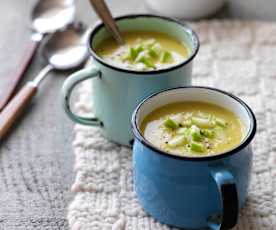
x=51, y=15
x=46, y=17
x=63, y=50
x=104, y=13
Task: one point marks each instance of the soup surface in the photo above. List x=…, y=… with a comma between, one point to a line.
x=193, y=129
x=143, y=51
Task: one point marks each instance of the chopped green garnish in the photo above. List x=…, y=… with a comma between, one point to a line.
x=170, y=123
x=150, y=42
x=149, y=52
x=202, y=122
x=197, y=147
x=155, y=50
x=133, y=53
x=147, y=62
x=187, y=123
x=207, y=133
x=195, y=134
x=126, y=57
x=139, y=48
x=182, y=131
x=152, y=53
x=143, y=57
x=221, y=122
x=177, y=141
x=166, y=56
x=197, y=137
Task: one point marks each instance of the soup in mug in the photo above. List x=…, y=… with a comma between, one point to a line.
x=144, y=51
x=193, y=129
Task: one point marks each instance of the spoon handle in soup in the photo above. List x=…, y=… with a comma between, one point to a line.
x=103, y=12
x=16, y=74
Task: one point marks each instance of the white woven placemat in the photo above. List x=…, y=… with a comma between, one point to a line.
x=239, y=57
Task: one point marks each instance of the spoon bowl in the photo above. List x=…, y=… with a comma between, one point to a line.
x=48, y=16
x=66, y=49
x=63, y=50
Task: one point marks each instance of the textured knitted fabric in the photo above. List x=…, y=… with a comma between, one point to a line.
x=239, y=57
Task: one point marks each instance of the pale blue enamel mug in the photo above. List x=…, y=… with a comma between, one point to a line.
x=117, y=91
x=193, y=192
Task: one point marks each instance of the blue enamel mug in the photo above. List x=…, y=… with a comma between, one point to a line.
x=117, y=91
x=193, y=192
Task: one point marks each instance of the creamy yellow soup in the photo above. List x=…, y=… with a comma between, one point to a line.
x=144, y=51
x=193, y=129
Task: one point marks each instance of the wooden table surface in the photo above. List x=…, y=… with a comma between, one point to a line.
x=36, y=159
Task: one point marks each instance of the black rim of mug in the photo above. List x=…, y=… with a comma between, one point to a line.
x=250, y=135
x=158, y=71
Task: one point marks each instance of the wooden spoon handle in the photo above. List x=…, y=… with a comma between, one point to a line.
x=103, y=12
x=14, y=76
x=15, y=107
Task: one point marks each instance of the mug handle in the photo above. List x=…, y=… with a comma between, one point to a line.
x=68, y=86
x=228, y=196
